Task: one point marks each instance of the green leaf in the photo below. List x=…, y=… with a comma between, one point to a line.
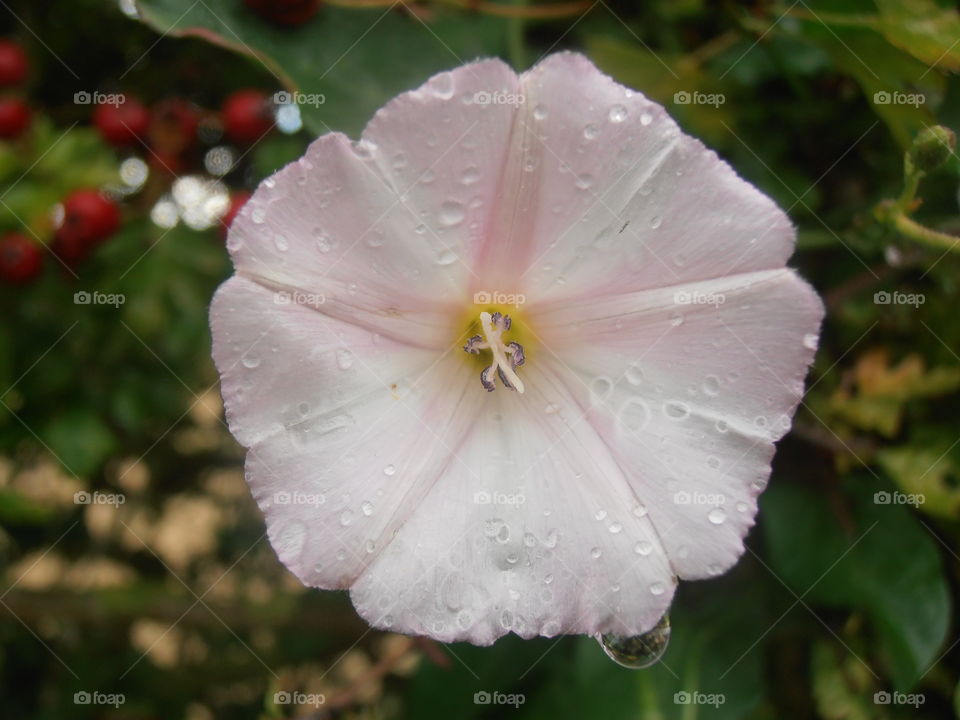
x=841, y=685
x=357, y=59
x=923, y=29
x=80, y=440
x=880, y=561
x=928, y=472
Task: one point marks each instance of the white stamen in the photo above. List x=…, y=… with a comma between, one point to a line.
x=492, y=336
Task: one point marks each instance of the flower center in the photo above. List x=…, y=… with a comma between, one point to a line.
x=507, y=357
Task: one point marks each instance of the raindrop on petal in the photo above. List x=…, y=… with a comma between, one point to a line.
x=618, y=113
x=638, y=651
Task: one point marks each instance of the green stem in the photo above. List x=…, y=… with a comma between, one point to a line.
x=922, y=234
x=516, y=46
x=910, y=186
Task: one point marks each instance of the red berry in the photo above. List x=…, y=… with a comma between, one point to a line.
x=247, y=116
x=88, y=217
x=173, y=125
x=13, y=63
x=237, y=201
x=285, y=12
x=20, y=259
x=70, y=248
x=122, y=125
x=14, y=117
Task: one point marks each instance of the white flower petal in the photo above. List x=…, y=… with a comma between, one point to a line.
x=346, y=432
x=533, y=529
x=607, y=195
x=392, y=222
x=691, y=397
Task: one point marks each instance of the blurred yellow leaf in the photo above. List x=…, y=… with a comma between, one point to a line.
x=880, y=390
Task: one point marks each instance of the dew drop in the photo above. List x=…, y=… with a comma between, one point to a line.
x=258, y=215
x=676, y=320
x=615, y=528
x=717, y=516
x=451, y=213
x=346, y=517
x=446, y=257
x=810, y=342
x=643, y=548
x=584, y=181
x=591, y=131
x=390, y=470
x=658, y=588
x=655, y=222
x=324, y=242
x=442, y=86
x=250, y=360
x=638, y=651
x=595, y=553
x=640, y=511
x=634, y=415
x=634, y=374
x=281, y=242
x=344, y=359
x=646, y=118
x=676, y=410
x=600, y=389
x=618, y=113
x=470, y=175
x=540, y=112
x=367, y=508
x=711, y=385
x=399, y=161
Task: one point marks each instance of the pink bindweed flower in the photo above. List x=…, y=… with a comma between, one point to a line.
x=514, y=361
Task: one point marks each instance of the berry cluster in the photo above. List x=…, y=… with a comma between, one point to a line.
x=165, y=132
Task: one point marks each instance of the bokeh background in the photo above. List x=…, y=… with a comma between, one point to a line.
x=134, y=565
